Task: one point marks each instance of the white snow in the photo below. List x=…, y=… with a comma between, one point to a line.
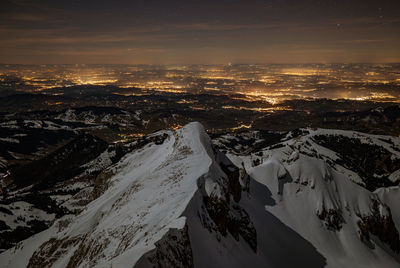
x=11, y=140
x=147, y=197
x=9, y=124
x=311, y=185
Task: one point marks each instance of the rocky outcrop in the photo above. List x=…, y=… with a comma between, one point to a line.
x=173, y=250
x=226, y=217
x=381, y=226
x=101, y=184
x=49, y=251
x=332, y=219
x=225, y=212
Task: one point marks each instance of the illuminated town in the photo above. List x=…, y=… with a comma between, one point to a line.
x=270, y=83
x=242, y=96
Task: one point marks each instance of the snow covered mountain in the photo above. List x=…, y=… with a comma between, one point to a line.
x=372, y=161
x=181, y=202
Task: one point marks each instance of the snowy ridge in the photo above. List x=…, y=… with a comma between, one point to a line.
x=338, y=148
x=146, y=198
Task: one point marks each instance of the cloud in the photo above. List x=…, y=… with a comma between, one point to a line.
x=207, y=31
x=25, y=17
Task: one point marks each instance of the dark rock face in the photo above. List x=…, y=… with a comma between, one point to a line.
x=223, y=215
x=159, y=139
x=234, y=187
x=173, y=250
x=380, y=226
x=229, y=218
x=240, y=224
x=332, y=219
x=101, y=184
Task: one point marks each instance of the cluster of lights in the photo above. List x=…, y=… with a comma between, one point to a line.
x=258, y=109
x=259, y=84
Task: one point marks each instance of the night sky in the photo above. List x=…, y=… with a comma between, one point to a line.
x=205, y=32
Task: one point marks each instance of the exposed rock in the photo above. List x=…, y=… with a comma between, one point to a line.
x=173, y=250
x=49, y=251
x=101, y=184
x=380, y=226
x=229, y=218
x=332, y=218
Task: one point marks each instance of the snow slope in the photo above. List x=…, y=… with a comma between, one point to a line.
x=325, y=208
x=391, y=197
x=146, y=198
